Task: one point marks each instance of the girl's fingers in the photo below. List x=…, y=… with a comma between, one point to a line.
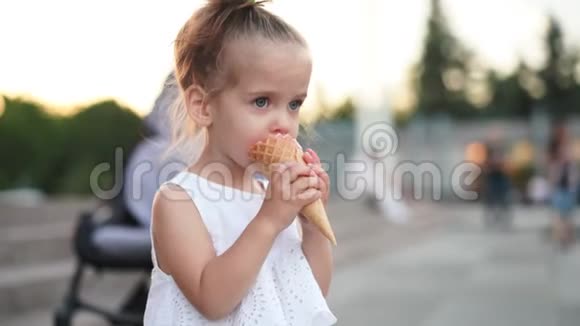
x=309, y=195
x=321, y=174
x=277, y=170
x=296, y=170
x=311, y=157
x=323, y=179
x=304, y=183
x=323, y=184
x=308, y=158
x=314, y=155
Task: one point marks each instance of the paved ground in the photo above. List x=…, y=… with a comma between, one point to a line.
x=463, y=274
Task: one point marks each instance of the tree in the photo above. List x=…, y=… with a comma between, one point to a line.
x=344, y=111
x=511, y=97
x=30, y=139
x=93, y=135
x=57, y=154
x=441, y=74
x=557, y=74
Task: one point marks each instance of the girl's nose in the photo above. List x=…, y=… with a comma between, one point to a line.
x=279, y=130
x=280, y=124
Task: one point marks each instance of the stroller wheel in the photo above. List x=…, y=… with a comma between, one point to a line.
x=62, y=317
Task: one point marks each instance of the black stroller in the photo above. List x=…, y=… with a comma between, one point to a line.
x=120, y=241
x=133, y=256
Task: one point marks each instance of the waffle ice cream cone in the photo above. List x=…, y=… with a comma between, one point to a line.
x=279, y=149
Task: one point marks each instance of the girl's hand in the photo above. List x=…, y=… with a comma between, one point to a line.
x=292, y=186
x=310, y=157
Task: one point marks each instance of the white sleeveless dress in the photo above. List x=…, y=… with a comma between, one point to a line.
x=285, y=292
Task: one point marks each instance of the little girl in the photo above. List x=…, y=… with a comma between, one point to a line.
x=228, y=250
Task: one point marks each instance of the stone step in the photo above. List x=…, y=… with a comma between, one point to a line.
x=27, y=287
x=55, y=210
x=30, y=235
x=32, y=244
x=44, y=317
x=43, y=286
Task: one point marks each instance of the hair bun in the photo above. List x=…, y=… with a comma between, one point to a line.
x=239, y=4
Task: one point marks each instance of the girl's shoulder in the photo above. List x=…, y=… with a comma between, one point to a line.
x=172, y=190
x=173, y=231
x=170, y=199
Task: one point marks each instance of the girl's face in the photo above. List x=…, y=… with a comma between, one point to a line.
x=270, y=84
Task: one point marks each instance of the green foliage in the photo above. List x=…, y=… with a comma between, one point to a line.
x=443, y=78
x=511, y=99
x=557, y=74
x=57, y=154
x=93, y=135
x=447, y=74
x=30, y=140
x=344, y=111
x=442, y=71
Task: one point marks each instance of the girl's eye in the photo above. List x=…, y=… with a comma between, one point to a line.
x=295, y=105
x=261, y=102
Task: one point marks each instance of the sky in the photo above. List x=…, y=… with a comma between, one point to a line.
x=69, y=53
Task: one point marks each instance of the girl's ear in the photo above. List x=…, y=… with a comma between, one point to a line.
x=197, y=106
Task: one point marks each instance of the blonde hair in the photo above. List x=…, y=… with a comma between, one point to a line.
x=198, y=58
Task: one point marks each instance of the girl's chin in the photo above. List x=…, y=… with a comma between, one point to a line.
x=252, y=167
x=243, y=163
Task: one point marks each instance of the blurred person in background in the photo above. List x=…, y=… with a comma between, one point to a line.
x=146, y=169
x=539, y=189
x=563, y=178
x=380, y=189
x=496, y=183
x=149, y=166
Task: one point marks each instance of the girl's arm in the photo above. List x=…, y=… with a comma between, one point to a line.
x=315, y=246
x=213, y=284
x=318, y=252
